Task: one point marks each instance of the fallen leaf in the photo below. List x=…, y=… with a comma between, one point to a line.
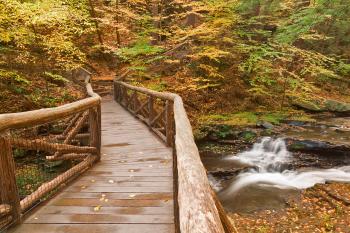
x=97, y=208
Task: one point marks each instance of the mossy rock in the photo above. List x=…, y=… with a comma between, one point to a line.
x=336, y=106
x=313, y=105
x=296, y=146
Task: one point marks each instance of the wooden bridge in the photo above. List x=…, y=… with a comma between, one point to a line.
x=137, y=171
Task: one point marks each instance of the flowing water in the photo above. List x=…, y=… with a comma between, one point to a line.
x=269, y=181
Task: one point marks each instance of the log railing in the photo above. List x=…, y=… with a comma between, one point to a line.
x=42, y=150
x=164, y=113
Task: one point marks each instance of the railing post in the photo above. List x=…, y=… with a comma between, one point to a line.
x=95, y=129
x=169, y=122
x=150, y=110
x=99, y=132
x=8, y=187
x=115, y=91
x=125, y=96
x=134, y=101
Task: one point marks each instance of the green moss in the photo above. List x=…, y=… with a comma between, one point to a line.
x=274, y=118
x=141, y=47
x=55, y=78
x=248, y=136
x=301, y=117
x=224, y=131
x=297, y=146
x=158, y=86
x=215, y=117
x=12, y=77
x=244, y=118
x=40, y=98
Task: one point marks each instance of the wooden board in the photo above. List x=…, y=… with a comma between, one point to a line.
x=96, y=228
x=130, y=190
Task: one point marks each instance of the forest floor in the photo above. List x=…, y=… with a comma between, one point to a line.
x=35, y=93
x=322, y=208
x=25, y=91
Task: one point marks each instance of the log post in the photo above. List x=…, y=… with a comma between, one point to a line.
x=125, y=96
x=169, y=122
x=150, y=110
x=8, y=187
x=115, y=92
x=120, y=93
x=135, y=102
x=99, y=130
x=95, y=132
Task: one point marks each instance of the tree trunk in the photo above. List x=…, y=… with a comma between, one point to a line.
x=117, y=21
x=93, y=15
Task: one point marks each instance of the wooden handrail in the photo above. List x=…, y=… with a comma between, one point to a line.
x=86, y=112
x=196, y=206
x=43, y=116
x=156, y=94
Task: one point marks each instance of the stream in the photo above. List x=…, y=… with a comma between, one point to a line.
x=267, y=180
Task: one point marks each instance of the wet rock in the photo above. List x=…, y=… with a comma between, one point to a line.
x=230, y=173
x=265, y=124
x=294, y=123
x=319, y=147
x=298, y=145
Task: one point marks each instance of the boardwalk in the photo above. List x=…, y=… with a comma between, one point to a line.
x=129, y=190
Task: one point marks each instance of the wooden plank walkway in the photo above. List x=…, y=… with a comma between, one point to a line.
x=130, y=190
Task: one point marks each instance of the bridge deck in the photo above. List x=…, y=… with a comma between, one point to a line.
x=130, y=190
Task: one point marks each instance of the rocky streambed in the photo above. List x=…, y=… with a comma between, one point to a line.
x=297, y=169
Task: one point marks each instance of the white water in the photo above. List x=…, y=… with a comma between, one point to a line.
x=271, y=158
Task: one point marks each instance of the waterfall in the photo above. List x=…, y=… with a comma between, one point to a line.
x=271, y=159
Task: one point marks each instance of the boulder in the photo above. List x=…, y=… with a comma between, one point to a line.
x=265, y=124
x=318, y=147
x=336, y=106
x=318, y=105
x=310, y=105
